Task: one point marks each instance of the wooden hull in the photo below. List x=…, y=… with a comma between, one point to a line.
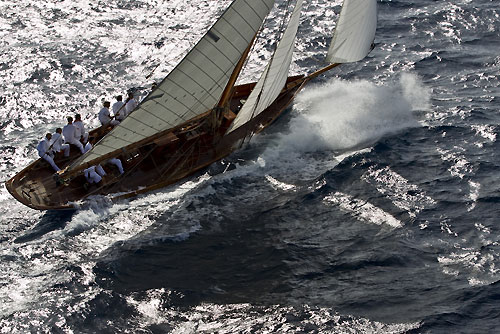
x=162, y=162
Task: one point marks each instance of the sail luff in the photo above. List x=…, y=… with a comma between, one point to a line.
x=274, y=76
x=355, y=31
x=195, y=84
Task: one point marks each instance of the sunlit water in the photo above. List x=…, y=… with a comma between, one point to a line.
x=371, y=206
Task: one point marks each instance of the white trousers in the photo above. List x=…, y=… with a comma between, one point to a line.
x=49, y=159
x=85, y=137
x=77, y=143
x=113, y=122
x=117, y=163
x=91, y=175
x=65, y=149
x=100, y=170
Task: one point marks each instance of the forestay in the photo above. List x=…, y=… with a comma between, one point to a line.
x=194, y=86
x=355, y=31
x=275, y=75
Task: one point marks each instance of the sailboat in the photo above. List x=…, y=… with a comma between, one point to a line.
x=197, y=115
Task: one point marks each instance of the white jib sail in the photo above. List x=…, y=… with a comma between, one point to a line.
x=195, y=85
x=274, y=77
x=355, y=31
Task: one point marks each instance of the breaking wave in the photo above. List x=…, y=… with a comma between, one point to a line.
x=342, y=115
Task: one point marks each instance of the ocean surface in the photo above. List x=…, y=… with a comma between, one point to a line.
x=370, y=206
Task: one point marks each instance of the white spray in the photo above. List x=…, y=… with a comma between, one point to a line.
x=341, y=115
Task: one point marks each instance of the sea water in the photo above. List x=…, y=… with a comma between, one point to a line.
x=370, y=206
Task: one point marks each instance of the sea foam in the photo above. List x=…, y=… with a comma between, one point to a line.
x=342, y=115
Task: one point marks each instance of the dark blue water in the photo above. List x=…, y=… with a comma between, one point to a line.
x=371, y=206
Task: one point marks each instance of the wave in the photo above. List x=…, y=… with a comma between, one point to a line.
x=342, y=115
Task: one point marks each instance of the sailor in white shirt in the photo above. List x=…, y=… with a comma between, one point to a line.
x=45, y=152
x=69, y=134
x=131, y=104
x=57, y=143
x=93, y=174
x=104, y=116
x=119, y=109
x=80, y=129
x=115, y=161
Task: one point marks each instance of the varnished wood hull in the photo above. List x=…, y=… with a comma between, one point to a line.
x=158, y=164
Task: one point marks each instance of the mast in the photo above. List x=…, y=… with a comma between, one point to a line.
x=226, y=94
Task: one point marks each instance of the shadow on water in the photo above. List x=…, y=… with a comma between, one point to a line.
x=348, y=267
x=240, y=268
x=52, y=220
x=478, y=311
x=293, y=249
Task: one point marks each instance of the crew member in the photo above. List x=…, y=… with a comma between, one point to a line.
x=105, y=117
x=57, y=143
x=69, y=134
x=45, y=151
x=80, y=129
x=118, y=163
x=130, y=104
x=91, y=175
x=114, y=161
x=119, y=109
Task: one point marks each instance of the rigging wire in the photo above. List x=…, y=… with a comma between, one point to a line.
x=140, y=34
x=158, y=38
x=193, y=42
x=280, y=30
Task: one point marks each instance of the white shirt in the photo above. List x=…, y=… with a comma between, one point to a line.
x=104, y=116
x=116, y=108
x=79, y=129
x=42, y=147
x=130, y=106
x=69, y=131
x=56, y=142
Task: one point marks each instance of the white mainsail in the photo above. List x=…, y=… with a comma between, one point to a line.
x=355, y=31
x=274, y=77
x=195, y=85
